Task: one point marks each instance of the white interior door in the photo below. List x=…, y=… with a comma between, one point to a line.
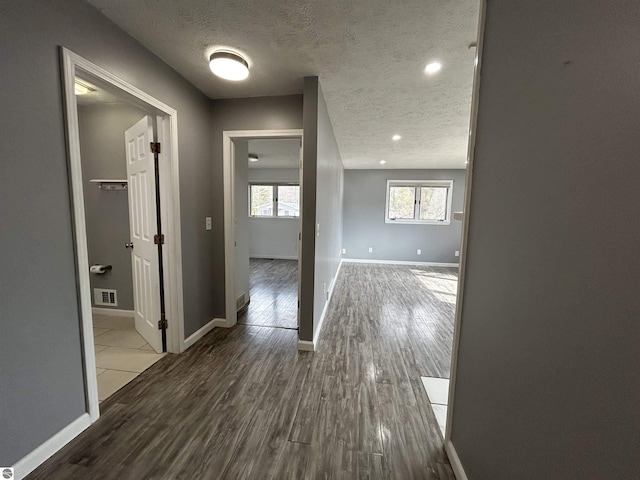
x=143, y=227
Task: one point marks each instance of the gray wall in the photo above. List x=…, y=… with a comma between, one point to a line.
x=242, y=236
x=548, y=373
x=323, y=177
x=40, y=349
x=262, y=113
x=364, y=214
x=102, y=148
x=273, y=237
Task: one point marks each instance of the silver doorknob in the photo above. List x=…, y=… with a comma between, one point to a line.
x=129, y=245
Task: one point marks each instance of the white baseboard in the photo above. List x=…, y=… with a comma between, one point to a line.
x=306, y=345
x=275, y=257
x=113, y=312
x=454, y=460
x=198, y=334
x=400, y=262
x=38, y=456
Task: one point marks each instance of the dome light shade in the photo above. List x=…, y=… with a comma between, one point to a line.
x=253, y=157
x=229, y=66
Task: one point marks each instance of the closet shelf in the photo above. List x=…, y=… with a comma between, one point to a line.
x=110, y=184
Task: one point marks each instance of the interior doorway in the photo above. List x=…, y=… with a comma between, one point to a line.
x=263, y=201
x=124, y=188
x=267, y=228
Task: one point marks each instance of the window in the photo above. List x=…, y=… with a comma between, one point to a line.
x=424, y=201
x=274, y=200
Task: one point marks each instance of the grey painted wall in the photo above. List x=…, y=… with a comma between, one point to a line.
x=364, y=214
x=323, y=177
x=102, y=148
x=40, y=349
x=262, y=113
x=273, y=237
x=243, y=235
x=548, y=370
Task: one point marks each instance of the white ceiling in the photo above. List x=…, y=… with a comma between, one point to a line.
x=370, y=57
x=275, y=153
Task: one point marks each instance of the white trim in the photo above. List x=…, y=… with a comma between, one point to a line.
x=399, y=262
x=113, y=312
x=454, y=460
x=306, y=346
x=198, y=334
x=170, y=214
x=37, y=457
x=465, y=225
x=229, y=208
x=275, y=257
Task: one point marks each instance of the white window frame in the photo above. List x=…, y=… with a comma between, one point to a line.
x=417, y=184
x=275, y=186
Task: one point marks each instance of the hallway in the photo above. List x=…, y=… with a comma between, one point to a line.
x=244, y=403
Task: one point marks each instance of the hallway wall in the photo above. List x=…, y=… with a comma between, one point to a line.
x=323, y=178
x=547, y=382
x=102, y=148
x=40, y=349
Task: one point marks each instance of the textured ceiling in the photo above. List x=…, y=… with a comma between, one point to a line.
x=281, y=153
x=370, y=57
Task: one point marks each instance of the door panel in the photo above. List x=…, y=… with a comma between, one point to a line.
x=142, y=215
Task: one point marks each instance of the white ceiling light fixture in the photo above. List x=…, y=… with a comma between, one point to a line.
x=82, y=88
x=382, y=162
x=396, y=137
x=253, y=157
x=433, y=67
x=229, y=65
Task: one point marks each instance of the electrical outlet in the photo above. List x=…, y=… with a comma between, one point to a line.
x=457, y=253
x=370, y=249
x=344, y=250
x=317, y=230
x=419, y=252
x=207, y=223
x=324, y=288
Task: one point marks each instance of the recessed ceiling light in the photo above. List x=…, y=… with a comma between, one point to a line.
x=81, y=90
x=433, y=68
x=382, y=162
x=229, y=66
x=253, y=157
x=396, y=137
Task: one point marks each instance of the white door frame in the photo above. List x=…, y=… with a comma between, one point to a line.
x=169, y=206
x=228, y=167
x=449, y=447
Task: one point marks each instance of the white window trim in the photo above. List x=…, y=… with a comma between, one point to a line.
x=275, y=186
x=420, y=183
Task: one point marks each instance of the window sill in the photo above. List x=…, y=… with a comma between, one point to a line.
x=416, y=222
x=274, y=218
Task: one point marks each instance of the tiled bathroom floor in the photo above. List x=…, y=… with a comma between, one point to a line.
x=121, y=353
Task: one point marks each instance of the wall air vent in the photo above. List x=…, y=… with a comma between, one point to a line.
x=105, y=297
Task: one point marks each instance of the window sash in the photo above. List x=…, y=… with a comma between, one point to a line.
x=274, y=207
x=435, y=214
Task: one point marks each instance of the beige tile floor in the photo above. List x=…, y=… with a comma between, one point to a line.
x=121, y=353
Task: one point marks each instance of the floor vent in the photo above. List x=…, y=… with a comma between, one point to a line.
x=102, y=296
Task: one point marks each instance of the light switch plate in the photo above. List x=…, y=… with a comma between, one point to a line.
x=457, y=253
x=207, y=223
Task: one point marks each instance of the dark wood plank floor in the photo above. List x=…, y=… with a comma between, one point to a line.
x=243, y=403
x=273, y=288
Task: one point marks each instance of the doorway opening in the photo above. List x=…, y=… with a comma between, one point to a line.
x=267, y=231
x=124, y=188
x=263, y=224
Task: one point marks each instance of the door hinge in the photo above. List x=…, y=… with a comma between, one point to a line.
x=163, y=324
x=155, y=147
x=298, y=303
x=158, y=239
